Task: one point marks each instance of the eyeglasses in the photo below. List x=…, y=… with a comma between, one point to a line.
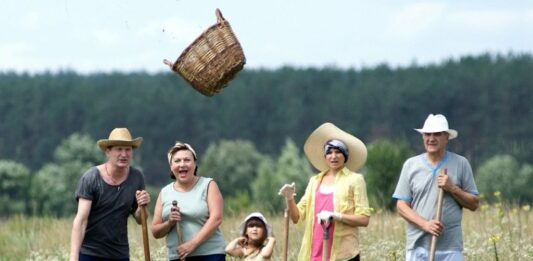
x=436, y=134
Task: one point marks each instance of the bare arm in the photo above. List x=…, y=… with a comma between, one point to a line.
x=215, y=205
x=159, y=227
x=433, y=227
x=234, y=248
x=464, y=198
x=355, y=220
x=294, y=213
x=267, y=250
x=78, y=227
x=143, y=199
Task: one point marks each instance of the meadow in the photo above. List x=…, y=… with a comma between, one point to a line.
x=494, y=232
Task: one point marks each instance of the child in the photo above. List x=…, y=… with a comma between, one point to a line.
x=251, y=244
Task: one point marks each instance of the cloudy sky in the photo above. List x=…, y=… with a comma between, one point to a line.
x=136, y=35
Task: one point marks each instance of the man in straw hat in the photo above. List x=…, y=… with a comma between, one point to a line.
x=418, y=188
x=107, y=194
x=337, y=196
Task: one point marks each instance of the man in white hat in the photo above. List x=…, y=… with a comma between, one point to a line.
x=107, y=194
x=417, y=192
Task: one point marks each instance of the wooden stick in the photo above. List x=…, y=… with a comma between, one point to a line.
x=438, y=217
x=285, y=248
x=325, y=235
x=178, y=228
x=145, y=233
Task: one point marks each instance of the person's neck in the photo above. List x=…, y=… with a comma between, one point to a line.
x=116, y=171
x=435, y=157
x=183, y=187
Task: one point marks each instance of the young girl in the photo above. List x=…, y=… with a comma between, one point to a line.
x=251, y=244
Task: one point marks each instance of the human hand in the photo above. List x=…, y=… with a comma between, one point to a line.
x=242, y=241
x=174, y=216
x=444, y=182
x=325, y=215
x=185, y=249
x=142, y=197
x=433, y=227
x=287, y=191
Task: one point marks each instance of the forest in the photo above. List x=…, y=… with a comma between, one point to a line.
x=255, y=128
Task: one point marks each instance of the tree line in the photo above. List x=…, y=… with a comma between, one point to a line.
x=487, y=98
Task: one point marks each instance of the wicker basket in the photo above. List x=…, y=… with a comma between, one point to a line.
x=212, y=60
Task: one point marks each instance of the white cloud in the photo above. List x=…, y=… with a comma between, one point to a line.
x=485, y=20
x=415, y=19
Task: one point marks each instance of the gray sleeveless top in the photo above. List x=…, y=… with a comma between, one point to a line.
x=194, y=213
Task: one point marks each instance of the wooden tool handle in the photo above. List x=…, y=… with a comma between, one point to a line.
x=285, y=249
x=145, y=233
x=178, y=228
x=438, y=217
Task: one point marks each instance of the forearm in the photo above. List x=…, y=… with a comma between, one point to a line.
x=233, y=248
x=207, y=230
x=76, y=238
x=407, y=213
x=162, y=229
x=355, y=220
x=464, y=198
x=294, y=213
x=267, y=250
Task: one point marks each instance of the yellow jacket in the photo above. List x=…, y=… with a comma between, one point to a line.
x=349, y=198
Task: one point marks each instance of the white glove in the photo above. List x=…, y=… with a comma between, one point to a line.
x=287, y=191
x=325, y=215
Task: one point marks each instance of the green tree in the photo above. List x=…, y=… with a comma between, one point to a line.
x=53, y=186
x=232, y=164
x=289, y=167
x=14, y=184
x=503, y=173
x=383, y=167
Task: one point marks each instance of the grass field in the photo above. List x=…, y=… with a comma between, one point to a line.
x=495, y=232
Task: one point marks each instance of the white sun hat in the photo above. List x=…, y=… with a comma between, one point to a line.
x=437, y=123
x=255, y=215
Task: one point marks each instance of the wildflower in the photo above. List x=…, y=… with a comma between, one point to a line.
x=497, y=194
x=526, y=208
x=494, y=238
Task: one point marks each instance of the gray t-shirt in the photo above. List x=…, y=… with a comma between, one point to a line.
x=418, y=186
x=194, y=213
x=106, y=234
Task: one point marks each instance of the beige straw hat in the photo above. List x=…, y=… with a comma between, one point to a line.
x=314, y=147
x=119, y=137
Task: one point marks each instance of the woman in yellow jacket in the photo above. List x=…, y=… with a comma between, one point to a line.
x=337, y=193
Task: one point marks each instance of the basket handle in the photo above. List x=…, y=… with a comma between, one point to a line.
x=220, y=18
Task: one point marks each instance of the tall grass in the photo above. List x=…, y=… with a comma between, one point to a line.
x=502, y=228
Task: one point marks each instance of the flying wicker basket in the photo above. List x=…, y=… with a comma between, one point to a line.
x=212, y=60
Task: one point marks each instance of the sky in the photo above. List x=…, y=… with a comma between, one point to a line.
x=136, y=35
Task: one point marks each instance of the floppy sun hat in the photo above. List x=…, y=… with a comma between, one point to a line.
x=314, y=147
x=255, y=215
x=119, y=137
x=437, y=123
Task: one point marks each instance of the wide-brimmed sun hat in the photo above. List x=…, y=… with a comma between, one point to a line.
x=314, y=147
x=255, y=215
x=437, y=123
x=119, y=137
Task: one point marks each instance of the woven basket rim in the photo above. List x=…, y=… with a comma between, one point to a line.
x=221, y=23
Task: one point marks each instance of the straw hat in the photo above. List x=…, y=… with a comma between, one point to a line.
x=314, y=147
x=255, y=215
x=119, y=137
x=437, y=123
